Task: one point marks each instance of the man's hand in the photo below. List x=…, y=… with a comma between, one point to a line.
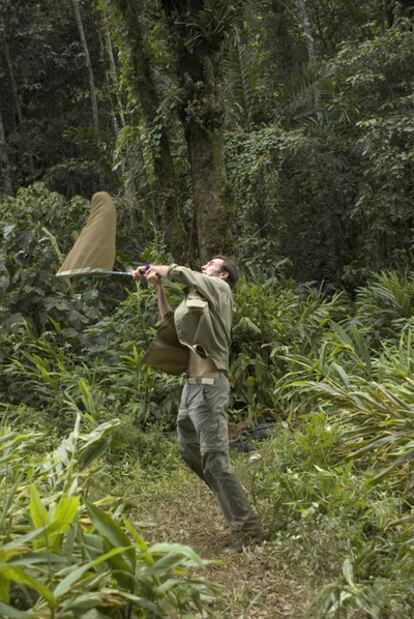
x=139, y=271
x=161, y=269
x=152, y=277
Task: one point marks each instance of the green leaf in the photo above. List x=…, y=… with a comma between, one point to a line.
x=77, y=574
x=63, y=517
x=93, y=599
x=348, y=571
x=176, y=552
x=341, y=334
x=38, y=512
x=110, y=529
x=13, y=613
x=18, y=544
x=17, y=574
x=93, y=545
x=342, y=374
x=139, y=540
x=387, y=470
x=37, y=558
x=4, y=588
x=94, y=613
x=66, y=511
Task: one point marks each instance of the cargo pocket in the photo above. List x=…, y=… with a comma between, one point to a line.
x=213, y=433
x=196, y=304
x=210, y=439
x=216, y=397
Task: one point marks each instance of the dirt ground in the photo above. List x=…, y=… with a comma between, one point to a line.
x=255, y=584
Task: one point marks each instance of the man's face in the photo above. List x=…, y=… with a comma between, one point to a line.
x=214, y=268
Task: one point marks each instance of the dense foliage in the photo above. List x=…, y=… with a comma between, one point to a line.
x=314, y=100
x=289, y=125
x=63, y=555
x=334, y=371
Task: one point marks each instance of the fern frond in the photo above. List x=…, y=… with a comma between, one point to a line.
x=240, y=68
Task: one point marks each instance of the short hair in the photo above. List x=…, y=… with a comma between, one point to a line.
x=231, y=268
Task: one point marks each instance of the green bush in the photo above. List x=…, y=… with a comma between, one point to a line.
x=63, y=555
x=351, y=536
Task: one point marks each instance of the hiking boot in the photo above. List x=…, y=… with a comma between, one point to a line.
x=240, y=540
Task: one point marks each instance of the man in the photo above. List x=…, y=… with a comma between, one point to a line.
x=195, y=339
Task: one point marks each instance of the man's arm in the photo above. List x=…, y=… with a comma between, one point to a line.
x=153, y=276
x=163, y=305
x=207, y=287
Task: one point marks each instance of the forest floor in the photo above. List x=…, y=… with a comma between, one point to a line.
x=257, y=583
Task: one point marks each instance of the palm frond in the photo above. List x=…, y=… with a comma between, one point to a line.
x=240, y=68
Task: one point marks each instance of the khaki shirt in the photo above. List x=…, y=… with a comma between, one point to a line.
x=201, y=322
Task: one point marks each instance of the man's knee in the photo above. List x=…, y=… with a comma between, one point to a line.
x=186, y=436
x=185, y=448
x=216, y=464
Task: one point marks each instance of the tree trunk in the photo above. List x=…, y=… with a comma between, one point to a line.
x=311, y=49
x=208, y=176
x=307, y=29
x=92, y=88
x=202, y=117
x=15, y=93
x=27, y=147
x=171, y=222
x=111, y=71
x=6, y=179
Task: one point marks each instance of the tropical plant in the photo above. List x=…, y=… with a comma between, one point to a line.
x=63, y=555
x=385, y=303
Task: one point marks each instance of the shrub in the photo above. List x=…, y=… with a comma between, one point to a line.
x=63, y=555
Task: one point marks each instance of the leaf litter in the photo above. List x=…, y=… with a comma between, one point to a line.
x=258, y=583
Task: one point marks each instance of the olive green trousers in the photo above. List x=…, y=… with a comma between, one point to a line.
x=204, y=445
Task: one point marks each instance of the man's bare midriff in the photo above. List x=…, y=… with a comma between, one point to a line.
x=198, y=366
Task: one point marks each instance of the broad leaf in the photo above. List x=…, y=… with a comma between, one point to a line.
x=38, y=512
x=77, y=574
x=17, y=574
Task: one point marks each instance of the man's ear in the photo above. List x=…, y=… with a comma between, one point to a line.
x=224, y=274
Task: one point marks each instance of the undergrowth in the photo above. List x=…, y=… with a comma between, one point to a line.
x=334, y=484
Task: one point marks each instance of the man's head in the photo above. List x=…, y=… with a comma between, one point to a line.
x=223, y=267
